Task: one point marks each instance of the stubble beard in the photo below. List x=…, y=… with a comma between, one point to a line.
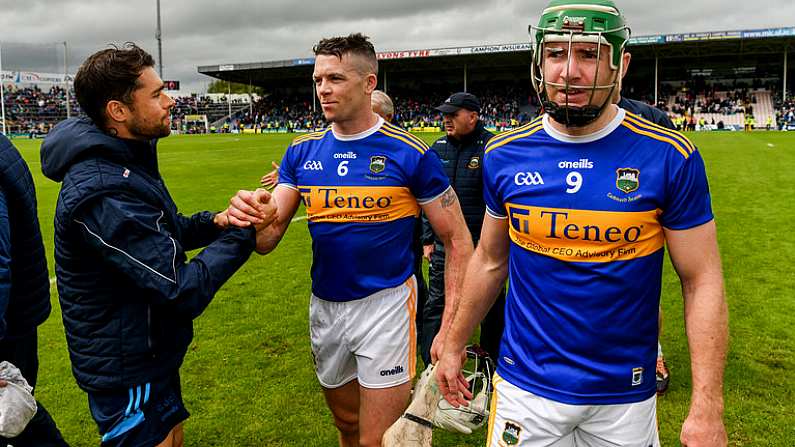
x=151, y=131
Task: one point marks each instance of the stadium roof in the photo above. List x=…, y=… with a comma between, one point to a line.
x=508, y=58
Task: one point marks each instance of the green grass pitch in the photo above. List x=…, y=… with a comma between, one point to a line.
x=248, y=379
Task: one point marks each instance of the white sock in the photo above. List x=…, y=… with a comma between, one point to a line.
x=659, y=350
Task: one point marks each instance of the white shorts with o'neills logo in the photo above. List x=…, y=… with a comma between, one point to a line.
x=372, y=339
x=521, y=418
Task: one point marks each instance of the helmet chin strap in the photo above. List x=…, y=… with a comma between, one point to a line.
x=573, y=116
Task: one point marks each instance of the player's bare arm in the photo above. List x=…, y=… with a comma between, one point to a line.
x=269, y=237
x=694, y=253
x=447, y=221
x=485, y=274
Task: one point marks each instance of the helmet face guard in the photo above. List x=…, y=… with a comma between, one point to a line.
x=587, y=21
x=478, y=371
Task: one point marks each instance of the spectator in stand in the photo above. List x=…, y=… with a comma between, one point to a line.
x=34, y=110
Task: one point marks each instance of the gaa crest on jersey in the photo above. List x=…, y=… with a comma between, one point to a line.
x=511, y=433
x=628, y=179
x=377, y=164
x=474, y=162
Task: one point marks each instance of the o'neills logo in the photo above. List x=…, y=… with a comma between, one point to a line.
x=582, y=163
x=350, y=155
x=392, y=372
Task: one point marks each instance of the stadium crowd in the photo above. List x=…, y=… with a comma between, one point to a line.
x=274, y=113
x=34, y=110
x=689, y=102
x=785, y=112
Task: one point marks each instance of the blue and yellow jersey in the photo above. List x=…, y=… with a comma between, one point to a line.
x=586, y=218
x=362, y=194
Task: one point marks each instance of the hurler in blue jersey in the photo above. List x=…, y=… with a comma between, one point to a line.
x=363, y=183
x=581, y=203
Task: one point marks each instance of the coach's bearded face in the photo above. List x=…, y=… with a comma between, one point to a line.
x=343, y=87
x=151, y=108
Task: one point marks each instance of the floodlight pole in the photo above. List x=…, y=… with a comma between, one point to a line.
x=66, y=79
x=656, y=79
x=2, y=90
x=784, y=90
x=159, y=37
x=229, y=102
x=465, y=77
x=250, y=101
x=385, y=83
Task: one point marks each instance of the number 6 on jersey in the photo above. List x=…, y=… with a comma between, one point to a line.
x=342, y=168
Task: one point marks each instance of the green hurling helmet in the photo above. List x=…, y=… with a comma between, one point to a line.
x=579, y=21
x=587, y=21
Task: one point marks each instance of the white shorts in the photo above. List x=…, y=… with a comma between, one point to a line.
x=520, y=418
x=373, y=339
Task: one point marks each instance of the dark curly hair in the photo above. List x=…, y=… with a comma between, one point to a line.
x=110, y=75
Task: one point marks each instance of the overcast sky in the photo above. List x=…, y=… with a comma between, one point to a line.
x=208, y=32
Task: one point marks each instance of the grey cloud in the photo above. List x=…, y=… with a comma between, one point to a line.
x=202, y=32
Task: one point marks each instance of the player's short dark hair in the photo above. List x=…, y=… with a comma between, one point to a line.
x=110, y=75
x=357, y=44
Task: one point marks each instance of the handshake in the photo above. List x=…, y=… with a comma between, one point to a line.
x=247, y=208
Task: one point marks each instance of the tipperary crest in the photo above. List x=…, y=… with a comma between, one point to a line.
x=511, y=433
x=628, y=179
x=377, y=164
x=474, y=162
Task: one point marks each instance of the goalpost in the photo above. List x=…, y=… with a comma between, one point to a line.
x=34, y=86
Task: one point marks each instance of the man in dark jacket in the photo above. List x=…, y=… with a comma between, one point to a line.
x=657, y=116
x=461, y=152
x=648, y=112
x=24, y=287
x=128, y=294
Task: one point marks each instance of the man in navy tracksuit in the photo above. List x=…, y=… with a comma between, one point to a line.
x=24, y=287
x=647, y=111
x=128, y=294
x=660, y=118
x=461, y=153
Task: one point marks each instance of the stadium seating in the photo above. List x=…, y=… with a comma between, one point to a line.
x=727, y=106
x=35, y=110
x=214, y=106
x=500, y=110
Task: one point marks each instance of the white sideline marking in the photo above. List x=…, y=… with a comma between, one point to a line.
x=295, y=219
